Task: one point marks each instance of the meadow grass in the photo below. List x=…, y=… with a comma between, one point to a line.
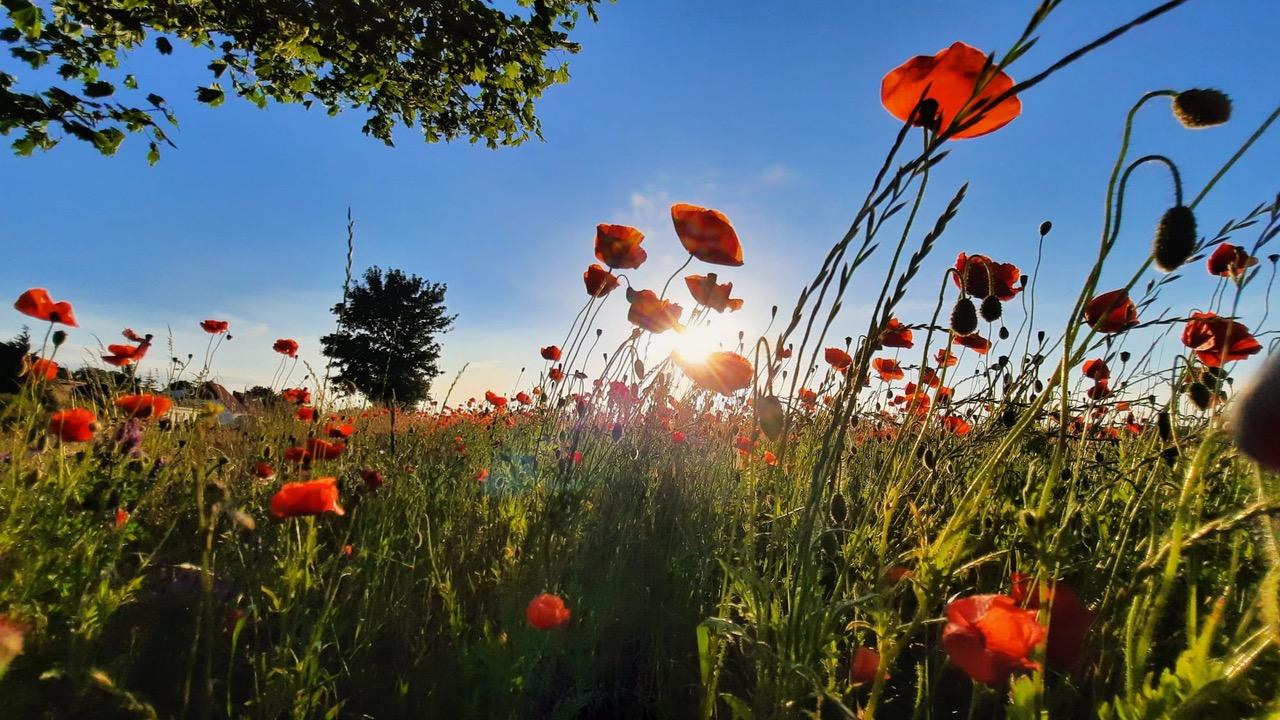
x=791, y=549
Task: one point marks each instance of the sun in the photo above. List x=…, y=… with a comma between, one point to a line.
x=694, y=344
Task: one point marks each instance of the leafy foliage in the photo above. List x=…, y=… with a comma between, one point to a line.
x=454, y=69
x=386, y=346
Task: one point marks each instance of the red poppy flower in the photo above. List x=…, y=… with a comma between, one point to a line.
x=974, y=342
x=1096, y=370
x=323, y=449
x=944, y=394
x=1230, y=260
x=37, y=303
x=837, y=358
x=809, y=397
x=339, y=430
x=990, y=638
x=297, y=456
x=1216, y=340
x=75, y=425
x=42, y=368
x=313, y=497
x=495, y=399
x=547, y=612
x=523, y=398
x=744, y=444
x=551, y=352
x=214, y=327
x=372, y=479
x=707, y=234
x=599, y=282
x=1111, y=312
x=888, y=368
x=555, y=375
x=722, y=372
x=677, y=437
x=1101, y=390
x=944, y=358
x=863, y=665
x=618, y=246
x=1069, y=619
x=300, y=396
x=957, y=425
x=306, y=414
x=769, y=458
x=984, y=278
x=650, y=313
x=121, y=355
x=144, y=406
x=263, y=471
x=286, y=347
x=896, y=335
x=706, y=292
x=949, y=79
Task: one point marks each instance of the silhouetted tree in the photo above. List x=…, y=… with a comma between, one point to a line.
x=386, y=346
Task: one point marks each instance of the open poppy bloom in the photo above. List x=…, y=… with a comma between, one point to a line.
x=896, y=335
x=306, y=414
x=618, y=246
x=144, y=406
x=75, y=425
x=1101, y=390
x=949, y=79
x=1096, y=369
x=837, y=358
x=37, y=303
x=286, y=347
x=547, y=612
x=495, y=399
x=1069, y=619
x=523, y=398
x=650, y=313
x=339, y=430
x=974, y=342
x=984, y=278
x=1230, y=261
x=990, y=638
x=863, y=665
x=888, y=368
x=957, y=424
x=42, y=368
x=299, y=396
x=1111, y=312
x=323, y=449
x=313, y=497
x=599, y=282
x=1216, y=340
x=297, y=456
x=214, y=327
x=555, y=374
x=706, y=292
x=263, y=471
x=121, y=355
x=944, y=358
x=551, y=352
x=722, y=372
x=707, y=234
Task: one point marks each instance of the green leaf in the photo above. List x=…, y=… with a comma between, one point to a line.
x=131, y=82
x=153, y=155
x=29, y=20
x=211, y=95
x=163, y=45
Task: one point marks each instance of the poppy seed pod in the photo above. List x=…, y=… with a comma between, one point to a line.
x=990, y=309
x=1199, y=108
x=964, y=317
x=1175, y=238
x=1254, y=418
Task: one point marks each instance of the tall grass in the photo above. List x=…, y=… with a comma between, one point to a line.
x=722, y=556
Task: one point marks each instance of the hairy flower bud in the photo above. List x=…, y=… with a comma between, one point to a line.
x=1175, y=238
x=991, y=308
x=1200, y=108
x=964, y=317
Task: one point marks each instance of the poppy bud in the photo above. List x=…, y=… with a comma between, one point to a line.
x=1040, y=336
x=1004, y=333
x=1175, y=238
x=1200, y=108
x=1045, y=227
x=839, y=508
x=964, y=317
x=1124, y=356
x=1199, y=395
x=1008, y=418
x=1039, y=387
x=990, y=309
x=1164, y=425
x=59, y=337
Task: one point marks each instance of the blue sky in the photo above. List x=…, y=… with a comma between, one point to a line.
x=767, y=111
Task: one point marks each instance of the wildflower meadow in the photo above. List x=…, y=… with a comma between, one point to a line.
x=966, y=512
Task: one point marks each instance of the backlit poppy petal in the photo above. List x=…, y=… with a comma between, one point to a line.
x=547, y=612
x=707, y=234
x=75, y=425
x=949, y=78
x=721, y=372
x=896, y=335
x=599, y=282
x=1216, y=340
x=214, y=327
x=1230, y=261
x=837, y=358
x=990, y=638
x=314, y=497
x=984, y=277
x=707, y=292
x=286, y=347
x=37, y=304
x=1111, y=312
x=144, y=407
x=618, y=246
x=651, y=313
